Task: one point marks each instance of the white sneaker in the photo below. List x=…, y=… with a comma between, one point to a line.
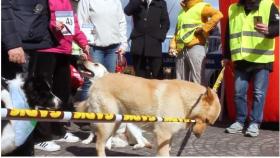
x=70, y=138
x=47, y=146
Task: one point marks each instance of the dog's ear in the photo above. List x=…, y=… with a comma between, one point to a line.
x=208, y=96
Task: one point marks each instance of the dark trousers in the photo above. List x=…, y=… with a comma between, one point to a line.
x=55, y=68
x=147, y=67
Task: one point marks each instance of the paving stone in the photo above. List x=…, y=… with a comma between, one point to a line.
x=214, y=142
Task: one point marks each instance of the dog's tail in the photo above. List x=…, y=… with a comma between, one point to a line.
x=81, y=106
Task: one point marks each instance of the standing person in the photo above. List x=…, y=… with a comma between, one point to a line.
x=195, y=21
x=24, y=30
x=251, y=49
x=106, y=23
x=54, y=64
x=151, y=23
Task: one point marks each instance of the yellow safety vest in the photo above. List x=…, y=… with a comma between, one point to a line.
x=245, y=42
x=187, y=22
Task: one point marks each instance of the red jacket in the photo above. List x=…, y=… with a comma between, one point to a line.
x=65, y=41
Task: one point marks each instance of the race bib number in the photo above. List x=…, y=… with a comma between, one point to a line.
x=67, y=18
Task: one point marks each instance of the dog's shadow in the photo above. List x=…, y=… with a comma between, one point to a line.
x=91, y=151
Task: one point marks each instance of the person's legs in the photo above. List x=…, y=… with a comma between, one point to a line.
x=240, y=99
x=240, y=95
x=43, y=64
x=182, y=68
x=62, y=89
x=260, y=81
x=110, y=57
x=156, y=65
x=196, y=59
x=139, y=65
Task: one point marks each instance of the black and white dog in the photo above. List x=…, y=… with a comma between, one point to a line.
x=36, y=92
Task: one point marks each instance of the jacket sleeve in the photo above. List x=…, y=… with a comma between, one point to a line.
x=214, y=15
x=164, y=21
x=10, y=36
x=132, y=7
x=273, y=26
x=79, y=37
x=123, y=26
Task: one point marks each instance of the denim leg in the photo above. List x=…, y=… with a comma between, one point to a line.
x=260, y=81
x=110, y=58
x=240, y=95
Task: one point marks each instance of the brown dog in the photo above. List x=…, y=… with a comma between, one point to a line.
x=125, y=94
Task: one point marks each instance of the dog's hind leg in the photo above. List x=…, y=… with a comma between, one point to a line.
x=103, y=133
x=163, y=141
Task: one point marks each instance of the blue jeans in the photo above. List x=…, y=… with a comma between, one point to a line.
x=104, y=55
x=260, y=84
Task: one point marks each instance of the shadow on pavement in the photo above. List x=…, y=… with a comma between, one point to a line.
x=88, y=151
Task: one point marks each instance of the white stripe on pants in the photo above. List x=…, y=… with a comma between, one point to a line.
x=190, y=65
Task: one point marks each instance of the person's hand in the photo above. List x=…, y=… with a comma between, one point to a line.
x=183, y=3
x=198, y=31
x=172, y=52
x=262, y=28
x=86, y=49
x=84, y=56
x=16, y=55
x=120, y=51
x=59, y=25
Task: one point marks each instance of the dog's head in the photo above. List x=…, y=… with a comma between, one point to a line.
x=206, y=111
x=39, y=94
x=92, y=70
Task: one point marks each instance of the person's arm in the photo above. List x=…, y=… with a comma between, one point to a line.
x=133, y=7
x=79, y=37
x=10, y=38
x=83, y=11
x=123, y=28
x=164, y=21
x=273, y=26
x=214, y=17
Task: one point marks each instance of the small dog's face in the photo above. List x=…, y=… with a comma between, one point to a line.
x=93, y=70
x=206, y=112
x=39, y=94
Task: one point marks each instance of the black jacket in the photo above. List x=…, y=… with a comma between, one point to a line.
x=24, y=26
x=150, y=26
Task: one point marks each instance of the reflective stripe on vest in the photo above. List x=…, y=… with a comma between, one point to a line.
x=245, y=42
x=188, y=21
